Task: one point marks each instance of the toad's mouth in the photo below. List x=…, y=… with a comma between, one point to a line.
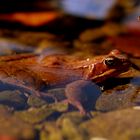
x=110, y=73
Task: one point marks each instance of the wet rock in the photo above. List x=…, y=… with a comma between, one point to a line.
x=51, y=132
x=14, y=127
x=117, y=98
x=58, y=93
x=58, y=109
x=74, y=117
x=34, y=101
x=13, y=99
x=59, y=106
x=67, y=130
x=70, y=131
x=34, y=115
x=54, y=95
x=125, y=124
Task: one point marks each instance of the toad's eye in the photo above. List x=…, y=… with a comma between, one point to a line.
x=110, y=61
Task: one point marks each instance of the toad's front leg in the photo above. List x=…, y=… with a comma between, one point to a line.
x=83, y=95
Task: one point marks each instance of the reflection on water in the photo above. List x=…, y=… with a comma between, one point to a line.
x=136, y=81
x=88, y=8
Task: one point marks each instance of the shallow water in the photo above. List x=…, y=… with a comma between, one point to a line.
x=24, y=114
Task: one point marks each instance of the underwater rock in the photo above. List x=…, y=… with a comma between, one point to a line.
x=67, y=130
x=117, y=98
x=34, y=115
x=13, y=99
x=34, y=101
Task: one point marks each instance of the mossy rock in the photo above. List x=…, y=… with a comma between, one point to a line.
x=12, y=126
x=60, y=106
x=50, y=132
x=66, y=131
x=118, y=125
x=74, y=117
x=71, y=131
x=35, y=115
x=34, y=101
x=58, y=93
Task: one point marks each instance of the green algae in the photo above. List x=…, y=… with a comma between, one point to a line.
x=34, y=115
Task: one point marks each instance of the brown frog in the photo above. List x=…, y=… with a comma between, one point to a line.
x=28, y=72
